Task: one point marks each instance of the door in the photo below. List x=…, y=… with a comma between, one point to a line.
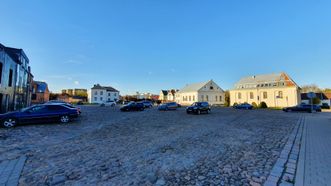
x=36, y=114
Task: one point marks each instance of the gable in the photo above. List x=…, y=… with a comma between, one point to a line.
x=211, y=86
x=203, y=86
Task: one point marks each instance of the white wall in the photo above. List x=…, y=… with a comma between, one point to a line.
x=210, y=90
x=101, y=96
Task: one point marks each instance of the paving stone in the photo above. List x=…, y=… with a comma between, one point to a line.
x=108, y=147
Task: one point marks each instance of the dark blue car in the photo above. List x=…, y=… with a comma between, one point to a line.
x=245, y=106
x=39, y=114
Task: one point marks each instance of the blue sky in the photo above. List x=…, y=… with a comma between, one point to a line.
x=146, y=46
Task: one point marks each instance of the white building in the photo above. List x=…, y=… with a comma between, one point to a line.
x=168, y=95
x=101, y=94
x=143, y=95
x=206, y=91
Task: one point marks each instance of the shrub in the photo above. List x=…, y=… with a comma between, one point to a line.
x=235, y=104
x=263, y=105
x=254, y=105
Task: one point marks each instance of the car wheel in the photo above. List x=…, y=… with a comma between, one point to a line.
x=10, y=122
x=64, y=119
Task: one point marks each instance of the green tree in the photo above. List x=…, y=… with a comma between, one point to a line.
x=316, y=101
x=227, y=99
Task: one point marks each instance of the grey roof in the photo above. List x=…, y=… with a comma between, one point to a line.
x=107, y=88
x=265, y=78
x=260, y=79
x=193, y=87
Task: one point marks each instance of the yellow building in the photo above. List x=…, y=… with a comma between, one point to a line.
x=276, y=90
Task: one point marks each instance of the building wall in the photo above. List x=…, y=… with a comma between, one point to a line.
x=7, y=93
x=100, y=96
x=18, y=94
x=291, y=96
x=210, y=93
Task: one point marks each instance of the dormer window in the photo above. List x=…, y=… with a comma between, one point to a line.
x=211, y=88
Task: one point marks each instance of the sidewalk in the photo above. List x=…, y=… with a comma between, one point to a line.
x=314, y=167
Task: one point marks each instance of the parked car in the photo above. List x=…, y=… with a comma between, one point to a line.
x=303, y=108
x=39, y=114
x=168, y=106
x=244, y=106
x=56, y=101
x=66, y=104
x=133, y=106
x=325, y=106
x=80, y=103
x=110, y=103
x=147, y=104
x=198, y=108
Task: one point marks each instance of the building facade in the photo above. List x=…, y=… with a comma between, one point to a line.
x=276, y=90
x=40, y=92
x=168, y=95
x=15, y=79
x=101, y=94
x=206, y=91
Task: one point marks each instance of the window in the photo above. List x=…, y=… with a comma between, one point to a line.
x=115, y=94
x=216, y=98
x=211, y=88
x=34, y=96
x=0, y=72
x=101, y=93
x=280, y=94
x=55, y=107
x=193, y=98
x=100, y=98
x=207, y=98
x=239, y=95
x=10, y=82
x=265, y=95
x=221, y=98
x=37, y=109
x=189, y=98
x=251, y=95
x=96, y=93
x=95, y=99
x=183, y=98
x=108, y=93
x=202, y=97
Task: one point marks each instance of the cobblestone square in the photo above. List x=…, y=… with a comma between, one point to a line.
x=108, y=147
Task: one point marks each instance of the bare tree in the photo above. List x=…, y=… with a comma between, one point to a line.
x=310, y=88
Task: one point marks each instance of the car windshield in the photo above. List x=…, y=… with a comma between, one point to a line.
x=196, y=104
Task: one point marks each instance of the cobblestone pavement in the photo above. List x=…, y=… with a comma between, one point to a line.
x=314, y=167
x=10, y=171
x=108, y=147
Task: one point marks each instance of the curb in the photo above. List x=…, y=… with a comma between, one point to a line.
x=284, y=170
